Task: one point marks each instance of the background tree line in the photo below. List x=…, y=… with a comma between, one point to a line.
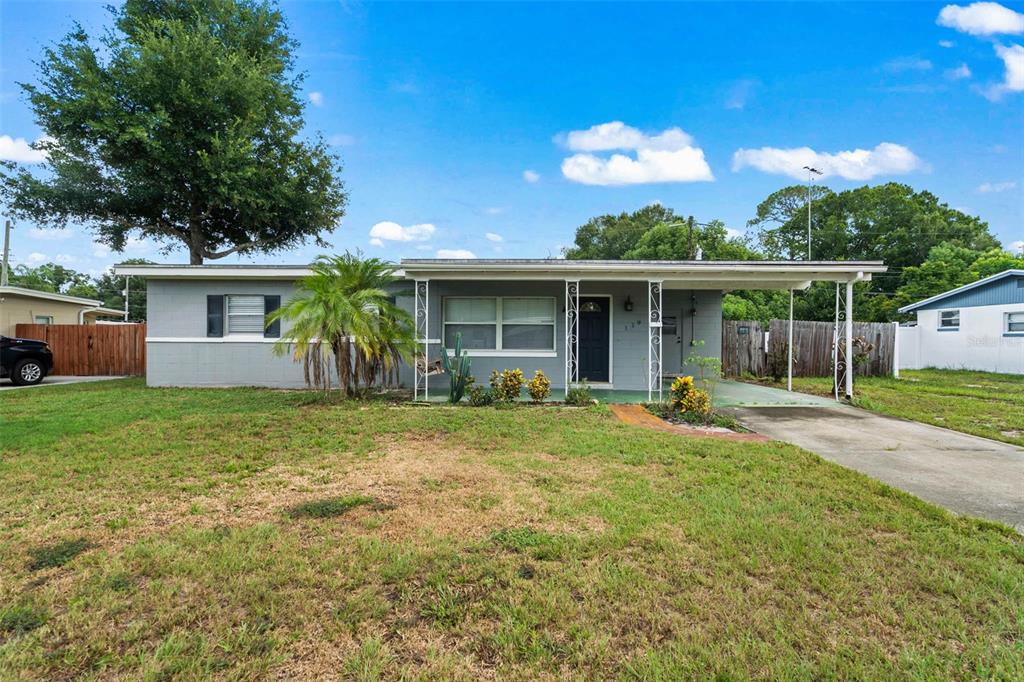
x=928, y=246
x=107, y=288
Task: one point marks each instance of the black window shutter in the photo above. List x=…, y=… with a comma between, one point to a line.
x=215, y=316
x=270, y=304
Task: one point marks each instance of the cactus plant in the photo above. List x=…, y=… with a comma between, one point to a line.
x=457, y=368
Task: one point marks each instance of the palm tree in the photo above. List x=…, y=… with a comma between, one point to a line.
x=345, y=324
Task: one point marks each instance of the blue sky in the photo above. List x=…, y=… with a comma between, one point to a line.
x=497, y=129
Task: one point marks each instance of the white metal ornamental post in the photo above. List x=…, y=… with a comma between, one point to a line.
x=572, y=334
x=654, y=339
x=421, y=378
x=849, y=340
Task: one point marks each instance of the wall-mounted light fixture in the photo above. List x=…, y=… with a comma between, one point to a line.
x=628, y=305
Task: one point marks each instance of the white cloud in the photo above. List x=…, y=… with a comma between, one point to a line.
x=341, y=140
x=1017, y=246
x=494, y=210
x=1013, y=78
x=455, y=253
x=857, y=164
x=946, y=44
x=50, y=235
x=65, y=258
x=740, y=93
x=393, y=232
x=36, y=258
x=982, y=19
x=100, y=250
x=492, y=237
x=317, y=98
x=901, y=64
x=531, y=176
x=19, y=149
x=992, y=187
x=732, y=233
x=666, y=157
x=376, y=242
x=959, y=73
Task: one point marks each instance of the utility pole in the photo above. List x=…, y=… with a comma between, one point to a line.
x=811, y=172
x=7, y=253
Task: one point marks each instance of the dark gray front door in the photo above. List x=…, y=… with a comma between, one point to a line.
x=594, y=339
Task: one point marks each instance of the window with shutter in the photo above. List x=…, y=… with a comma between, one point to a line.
x=245, y=314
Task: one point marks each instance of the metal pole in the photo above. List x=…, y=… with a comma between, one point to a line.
x=127, y=278
x=789, y=373
x=849, y=340
x=7, y=253
x=808, y=216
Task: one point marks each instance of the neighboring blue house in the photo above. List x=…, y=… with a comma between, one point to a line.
x=615, y=324
x=977, y=326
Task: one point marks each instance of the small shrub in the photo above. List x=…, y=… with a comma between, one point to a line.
x=328, y=507
x=17, y=620
x=688, y=399
x=579, y=396
x=539, y=387
x=58, y=554
x=480, y=396
x=507, y=384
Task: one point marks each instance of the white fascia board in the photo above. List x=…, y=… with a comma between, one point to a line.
x=288, y=273
x=49, y=296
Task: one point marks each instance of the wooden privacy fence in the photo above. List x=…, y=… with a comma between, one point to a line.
x=745, y=347
x=92, y=349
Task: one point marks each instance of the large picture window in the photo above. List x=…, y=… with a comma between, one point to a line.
x=245, y=314
x=500, y=324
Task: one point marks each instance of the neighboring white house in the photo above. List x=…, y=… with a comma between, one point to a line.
x=977, y=326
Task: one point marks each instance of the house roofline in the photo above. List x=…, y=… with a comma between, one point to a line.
x=967, y=287
x=49, y=296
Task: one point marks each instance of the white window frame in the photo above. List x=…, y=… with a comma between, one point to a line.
x=1006, y=323
x=48, y=318
x=948, y=328
x=499, y=351
x=227, y=316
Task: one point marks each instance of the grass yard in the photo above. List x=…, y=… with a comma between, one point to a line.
x=981, y=403
x=157, y=533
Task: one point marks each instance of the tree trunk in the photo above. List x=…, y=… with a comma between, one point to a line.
x=195, y=240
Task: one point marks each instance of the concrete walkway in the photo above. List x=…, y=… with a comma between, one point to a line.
x=54, y=380
x=965, y=474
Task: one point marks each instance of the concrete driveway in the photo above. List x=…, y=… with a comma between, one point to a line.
x=965, y=474
x=53, y=380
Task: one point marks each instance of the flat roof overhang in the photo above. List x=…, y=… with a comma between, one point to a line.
x=673, y=274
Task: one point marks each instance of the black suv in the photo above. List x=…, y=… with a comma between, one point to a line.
x=25, y=361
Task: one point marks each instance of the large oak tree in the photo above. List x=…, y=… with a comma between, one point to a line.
x=183, y=125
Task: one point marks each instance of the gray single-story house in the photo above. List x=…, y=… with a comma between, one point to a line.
x=614, y=324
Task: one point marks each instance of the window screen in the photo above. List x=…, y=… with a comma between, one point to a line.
x=1015, y=322
x=528, y=323
x=475, y=318
x=949, y=319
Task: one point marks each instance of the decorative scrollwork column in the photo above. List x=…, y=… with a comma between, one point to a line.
x=572, y=334
x=421, y=357
x=654, y=339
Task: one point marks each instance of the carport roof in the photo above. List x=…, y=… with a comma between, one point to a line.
x=690, y=274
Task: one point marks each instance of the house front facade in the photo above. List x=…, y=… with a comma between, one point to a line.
x=625, y=325
x=978, y=326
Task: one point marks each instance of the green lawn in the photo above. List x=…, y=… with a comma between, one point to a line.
x=982, y=403
x=158, y=533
